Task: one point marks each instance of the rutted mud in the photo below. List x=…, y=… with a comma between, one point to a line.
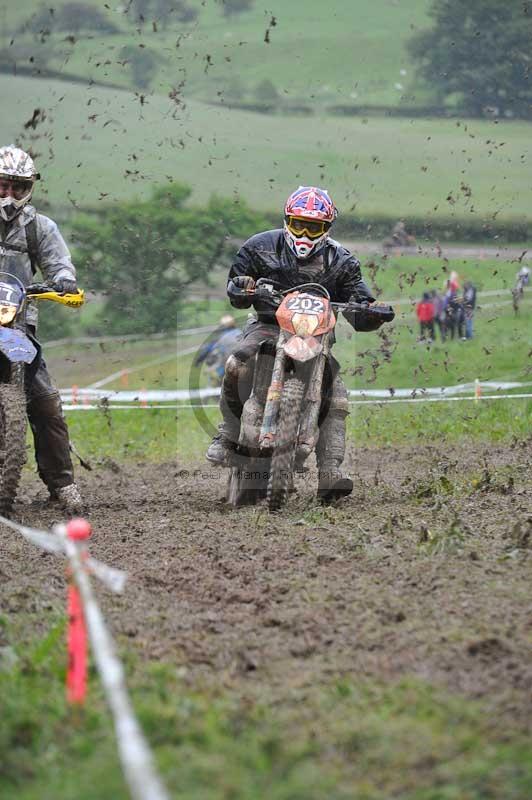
x=424, y=571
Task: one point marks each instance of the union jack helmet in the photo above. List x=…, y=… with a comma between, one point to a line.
x=308, y=214
x=311, y=203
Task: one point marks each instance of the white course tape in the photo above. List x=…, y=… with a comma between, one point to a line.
x=388, y=401
x=383, y=401
x=43, y=539
x=114, y=579
x=137, y=762
x=167, y=395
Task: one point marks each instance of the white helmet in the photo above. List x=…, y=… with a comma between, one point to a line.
x=17, y=176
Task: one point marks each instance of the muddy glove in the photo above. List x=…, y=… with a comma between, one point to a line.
x=237, y=288
x=372, y=319
x=243, y=282
x=65, y=286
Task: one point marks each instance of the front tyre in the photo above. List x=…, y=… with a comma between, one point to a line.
x=247, y=482
x=12, y=443
x=284, y=454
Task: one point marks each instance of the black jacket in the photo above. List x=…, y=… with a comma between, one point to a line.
x=267, y=255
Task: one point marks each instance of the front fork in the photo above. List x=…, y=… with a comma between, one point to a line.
x=18, y=368
x=309, y=431
x=18, y=373
x=273, y=398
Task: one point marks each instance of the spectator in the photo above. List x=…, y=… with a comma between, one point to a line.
x=454, y=281
x=439, y=312
x=425, y=315
x=453, y=309
x=523, y=277
x=469, y=305
x=454, y=314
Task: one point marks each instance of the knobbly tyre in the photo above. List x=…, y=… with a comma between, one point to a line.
x=19, y=359
x=280, y=419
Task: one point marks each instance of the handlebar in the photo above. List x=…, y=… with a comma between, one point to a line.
x=43, y=291
x=265, y=288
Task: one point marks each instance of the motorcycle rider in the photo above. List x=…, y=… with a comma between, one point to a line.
x=300, y=252
x=29, y=240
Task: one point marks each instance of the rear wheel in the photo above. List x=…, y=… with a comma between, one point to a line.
x=12, y=443
x=284, y=454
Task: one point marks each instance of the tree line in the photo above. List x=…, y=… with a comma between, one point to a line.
x=142, y=256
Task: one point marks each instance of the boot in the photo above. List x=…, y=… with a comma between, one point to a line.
x=219, y=449
x=69, y=498
x=333, y=483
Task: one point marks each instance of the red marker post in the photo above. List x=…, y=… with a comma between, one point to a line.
x=78, y=530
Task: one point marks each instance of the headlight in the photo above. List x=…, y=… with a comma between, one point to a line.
x=305, y=324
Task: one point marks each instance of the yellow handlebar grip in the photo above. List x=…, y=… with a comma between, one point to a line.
x=70, y=300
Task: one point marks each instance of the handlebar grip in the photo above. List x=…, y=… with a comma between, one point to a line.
x=39, y=288
x=385, y=313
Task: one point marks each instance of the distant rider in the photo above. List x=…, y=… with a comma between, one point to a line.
x=216, y=350
x=29, y=240
x=300, y=252
x=522, y=278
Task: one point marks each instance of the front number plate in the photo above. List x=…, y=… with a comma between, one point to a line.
x=16, y=346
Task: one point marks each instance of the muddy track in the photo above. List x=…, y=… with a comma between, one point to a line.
x=278, y=603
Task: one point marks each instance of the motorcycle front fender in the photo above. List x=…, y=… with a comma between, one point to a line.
x=16, y=346
x=303, y=348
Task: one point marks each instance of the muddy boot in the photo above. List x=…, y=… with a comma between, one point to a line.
x=68, y=498
x=333, y=483
x=220, y=449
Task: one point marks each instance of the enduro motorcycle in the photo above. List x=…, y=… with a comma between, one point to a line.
x=279, y=424
x=20, y=355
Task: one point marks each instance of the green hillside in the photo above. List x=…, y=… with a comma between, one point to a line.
x=342, y=51
x=102, y=145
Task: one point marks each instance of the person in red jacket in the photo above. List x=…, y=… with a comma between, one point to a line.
x=425, y=315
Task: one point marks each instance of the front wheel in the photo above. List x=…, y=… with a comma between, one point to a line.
x=284, y=454
x=12, y=443
x=247, y=482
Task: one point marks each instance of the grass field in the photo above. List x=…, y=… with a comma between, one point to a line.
x=362, y=55
x=99, y=145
